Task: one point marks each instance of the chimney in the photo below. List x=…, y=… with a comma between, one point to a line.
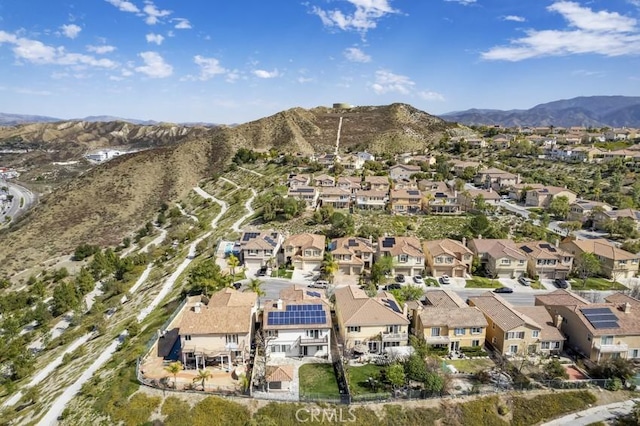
x=557, y=242
x=279, y=304
x=557, y=321
x=405, y=309
x=464, y=241
x=479, y=236
x=627, y=308
x=196, y=308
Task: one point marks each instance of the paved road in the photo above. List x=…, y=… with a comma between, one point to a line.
x=19, y=193
x=594, y=415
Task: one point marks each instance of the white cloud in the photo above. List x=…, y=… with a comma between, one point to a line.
x=431, y=96
x=36, y=52
x=155, y=38
x=354, y=54
x=513, y=18
x=125, y=6
x=363, y=19
x=588, y=32
x=209, y=67
x=266, y=74
x=101, y=50
x=182, y=24
x=587, y=73
x=303, y=80
x=387, y=82
x=232, y=76
x=154, y=65
x=153, y=13
x=71, y=31
x=462, y=2
x=27, y=91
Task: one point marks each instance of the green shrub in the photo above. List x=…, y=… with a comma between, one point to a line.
x=217, y=411
x=530, y=411
x=137, y=410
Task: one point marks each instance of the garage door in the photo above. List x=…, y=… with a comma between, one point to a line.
x=345, y=270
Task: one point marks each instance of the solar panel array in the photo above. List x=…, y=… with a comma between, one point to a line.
x=249, y=236
x=388, y=242
x=314, y=294
x=413, y=192
x=298, y=315
x=600, y=317
x=391, y=305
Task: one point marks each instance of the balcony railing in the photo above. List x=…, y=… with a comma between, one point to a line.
x=607, y=349
x=437, y=340
x=394, y=337
x=304, y=341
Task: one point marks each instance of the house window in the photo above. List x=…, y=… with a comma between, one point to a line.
x=272, y=333
x=634, y=353
x=460, y=331
x=448, y=259
x=435, y=331
x=606, y=340
x=275, y=348
x=187, y=337
x=253, y=252
x=505, y=261
x=231, y=338
x=353, y=329
x=393, y=329
x=403, y=258
x=535, y=334
x=513, y=349
x=476, y=330
x=475, y=343
x=515, y=335
x=439, y=259
x=285, y=348
x=545, y=345
x=556, y=345
x=493, y=340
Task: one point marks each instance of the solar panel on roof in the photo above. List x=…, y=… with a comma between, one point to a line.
x=413, y=192
x=388, y=242
x=605, y=324
x=249, y=235
x=352, y=243
x=526, y=249
x=588, y=311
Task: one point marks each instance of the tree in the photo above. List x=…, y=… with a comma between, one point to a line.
x=407, y=292
x=255, y=286
x=174, y=368
x=587, y=265
x=415, y=368
x=570, y=226
x=206, y=278
x=395, y=375
x=559, y=206
x=233, y=262
x=329, y=266
x=555, y=370
x=202, y=376
x=434, y=383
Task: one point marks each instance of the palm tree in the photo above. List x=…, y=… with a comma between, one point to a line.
x=174, y=368
x=330, y=267
x=233, y=262
x=255, y=285
x=202, y=376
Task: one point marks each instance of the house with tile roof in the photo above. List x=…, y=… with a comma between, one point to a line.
x=324, y=180
x=338, y=198
x=279, y=378
x=445, y=320
x=542, y=197
x=447, y=257
x=551, y=338
x=615, y=263
x=500, y=258
x=298, y=324
x=599, y=331
x=216, y=330
x=496, y=178
x=546, y=260
x=602, y=217
x=351, y=183
x=377, y=183
x=439, y=198
x=258, y=247
x=467, y=198
x=583, y=210
x=370, y=324
x=509, y=331
x=353, y=254
x=372, y=199
x=304, y=251
x=403, y=171
x=407, y=254
x=296, y=180
x=405, y=200
x=308, y=194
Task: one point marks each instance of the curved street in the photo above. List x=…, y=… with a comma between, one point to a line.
x=23, y=200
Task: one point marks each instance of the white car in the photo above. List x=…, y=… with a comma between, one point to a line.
x=418, y=279
x=445, y=279
x=319, y=284
x=525, y=281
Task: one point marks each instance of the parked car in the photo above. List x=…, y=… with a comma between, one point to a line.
x=262, y=271
x=561, y=283
x=237, y=285
x=445, y=279
x=525, y=281
x=394, y=286
x=319, y=284
x=400, y=278
x=418, y=279
x=503, y=290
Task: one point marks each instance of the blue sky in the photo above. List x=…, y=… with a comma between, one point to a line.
x=236, y=61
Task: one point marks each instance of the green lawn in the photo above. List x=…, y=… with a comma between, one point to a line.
x=359, y=378
x=481, y=282
x=536, y=285
x=431, y=282
x=282, y=273
x=596, y=284
x=318, y=380
x=470, y=366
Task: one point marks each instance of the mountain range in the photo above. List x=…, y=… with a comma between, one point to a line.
x=587, y=111
x=108, y=202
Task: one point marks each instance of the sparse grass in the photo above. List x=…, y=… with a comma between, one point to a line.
x=537, y=285
x=482, y=412
x=282, y=273
x=431, y=282
x=481, y=282
x=531, y=411
x=595, y=283
x=137, y=410
x=470, y=366
x=318, y=380
x=359, y=378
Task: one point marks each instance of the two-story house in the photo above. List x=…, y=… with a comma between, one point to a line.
x=257, y=248
x=500, y=258
x=599, y=331
x=370, y=323
x=509, y=332
x=371, y=199
x=353, y=254
x=405, y=201
x=602, y=217
x=308, y=194
x=584, y=210
x=544, y=196
x=439, y=198
x=377, y=183
x=351, y=183
x=304, y=251
x=468, y=199
x=217, y=330
x=403, y=171
x=324, y=180
x=447, y=257
x=546, y=260
x=298, y=324
x=445, y=320
x=615, y=263
x=496, y=178
x=407, y=254
x=296, y=180
x=338, y=198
